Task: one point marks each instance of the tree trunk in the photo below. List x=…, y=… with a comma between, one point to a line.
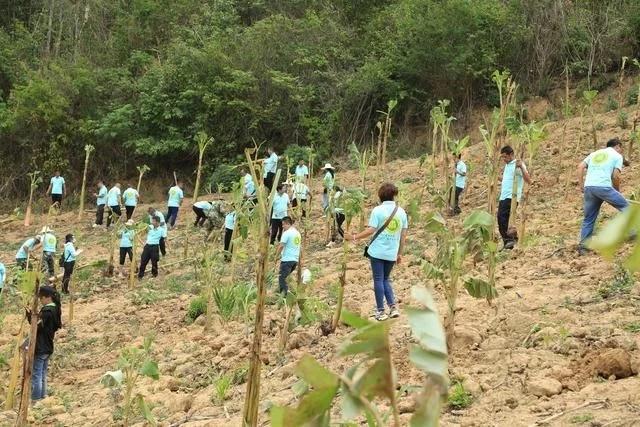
x=15, y=370
x=343, y=282
x=196, y=189
x=84, y=184
x=49, y=29
x=27, y=215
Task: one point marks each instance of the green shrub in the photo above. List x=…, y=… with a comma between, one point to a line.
x=225, y=299
x=632, y=95
x=295, y=153
x=623, y=119
x=197, y=307
x=224, y=177
x=612, y=104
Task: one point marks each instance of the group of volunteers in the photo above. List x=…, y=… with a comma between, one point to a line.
x=598, y=173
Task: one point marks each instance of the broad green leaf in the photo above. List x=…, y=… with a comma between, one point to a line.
x=432, y=272
x=633, y=262
x=354, y=320
x=479, y=288
x=435, y=223
x=314, y=405
x=300, y=387
x=369, y=340
x=615, y=232
x=427, y=413
x=429, y=361
x=478, y=218
x=351, y=406
x=315, y=374
x=150, y=369
x=426, y=327
x=145, y=410
x=375, y=381
x=112, y=378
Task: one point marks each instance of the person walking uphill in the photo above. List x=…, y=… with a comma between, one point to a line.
x=49, y=321
x=101, y=200
x=126, y=234
x=173, y=204
x=388, y=224
x=114, y=201
x=270, y=168
x=151, y=249
x=601, y=184
x=56, y=188
x=68, y=261
x=280, y=205
x=130, y=197
x=289, y=247
x=513, y=169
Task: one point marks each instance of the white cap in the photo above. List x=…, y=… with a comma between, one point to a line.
x=129, y=222
x=45, y=229
x=327, y=166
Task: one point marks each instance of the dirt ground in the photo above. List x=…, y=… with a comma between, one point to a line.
x=560, y=343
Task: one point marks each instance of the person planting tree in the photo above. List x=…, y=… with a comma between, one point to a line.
x=50, y=320
x=201, y=209
x=57, y=188
x=68, y=261
x=302, y=172
x=280, y=205
x=163, y=225
x=301, y=197
x=289, y=252
x=114, y=201
x=130, y=197
x=49, y=244
x=151, y=248
x=25, y=251
x=513, y=169
x=328, y=181
x=101, y=200
x=599, y=180
x=388, y=225
x=460, y=171
x=173, y=204
x=126, y=234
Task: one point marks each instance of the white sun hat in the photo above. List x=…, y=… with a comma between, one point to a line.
x=327, y=166
x=45, y=229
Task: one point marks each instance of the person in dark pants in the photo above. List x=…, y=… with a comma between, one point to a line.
x=49, y=247
x=176, y=195
x=270, y=168
x=229, y=226
x=56, y=188
x=513, y=170
x=338, y=216
x=289, y=247
x=460, y=170
x=201, y=209
x=69, y=256
x=130, y=197
x=280, y=206
x=151, y=249
x=301, y=197
x=50, y=320
x=101, y=201
x=114, y=200
x=127, y=235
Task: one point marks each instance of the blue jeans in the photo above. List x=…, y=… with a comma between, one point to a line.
x=39, y=376
x=593, y=198
x=381, y=270
x=172, y=215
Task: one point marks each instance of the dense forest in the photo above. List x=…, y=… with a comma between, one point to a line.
x=138, y=79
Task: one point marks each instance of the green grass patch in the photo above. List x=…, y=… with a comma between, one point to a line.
x=459, y=397
x=621, y=284
x=581, y=418
x=633, y=327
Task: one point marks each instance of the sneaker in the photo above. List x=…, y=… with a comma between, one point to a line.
x=394, y=313
x=381, y=315
x=330, y=244
x=95, y=225
x=509, y=245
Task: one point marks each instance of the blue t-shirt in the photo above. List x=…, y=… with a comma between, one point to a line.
x=126, y=237
x=249, y=186
x=203, y=205
x=300, y=191
x=291, y=240
x=3, y=275
x=102, y=196
x=280, y=204
x=69, y=252
x=112, y=197
x=130, y=197
x=461, y=180
x=506, y=189
x=600, y=167
x=163, y=225
x=230, y=220
x=271, y=164
x=387, y=244
x=49, y=243
x=57, y=182
x=302, y=172
x=28, y=245
x=175, y=197
x=154, y=235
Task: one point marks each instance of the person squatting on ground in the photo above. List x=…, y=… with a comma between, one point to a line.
x=126, y=234
x=201, y=210
x=289, y=252
x=513, y=169
x=101, y=201
x=113, y=202
x=173, y=203
x=280, y=206
x=57, y=188
x=601, y=184
x=388, y=224
x=24, y=253
x=151, y=249
x=130, y=197
x=49, y=245
x=154, y=212
x=460, y=170
x=49, y=321
x=68, y=261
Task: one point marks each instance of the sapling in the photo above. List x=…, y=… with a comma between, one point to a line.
x=532, y=134
x=34, y=180
x=441, y=122
x=623, y=64
x=88, y=149
x=141, y=171
x=133, y=363
x=203, y=141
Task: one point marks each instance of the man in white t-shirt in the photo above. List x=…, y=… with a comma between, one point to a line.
x=601, y=184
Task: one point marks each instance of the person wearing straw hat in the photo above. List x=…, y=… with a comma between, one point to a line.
x=126, y=234
x=328, y=181
x=49, y=244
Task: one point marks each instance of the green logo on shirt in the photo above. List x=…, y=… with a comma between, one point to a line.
x=394, y=226
x=599, y=158
x=297, y=240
